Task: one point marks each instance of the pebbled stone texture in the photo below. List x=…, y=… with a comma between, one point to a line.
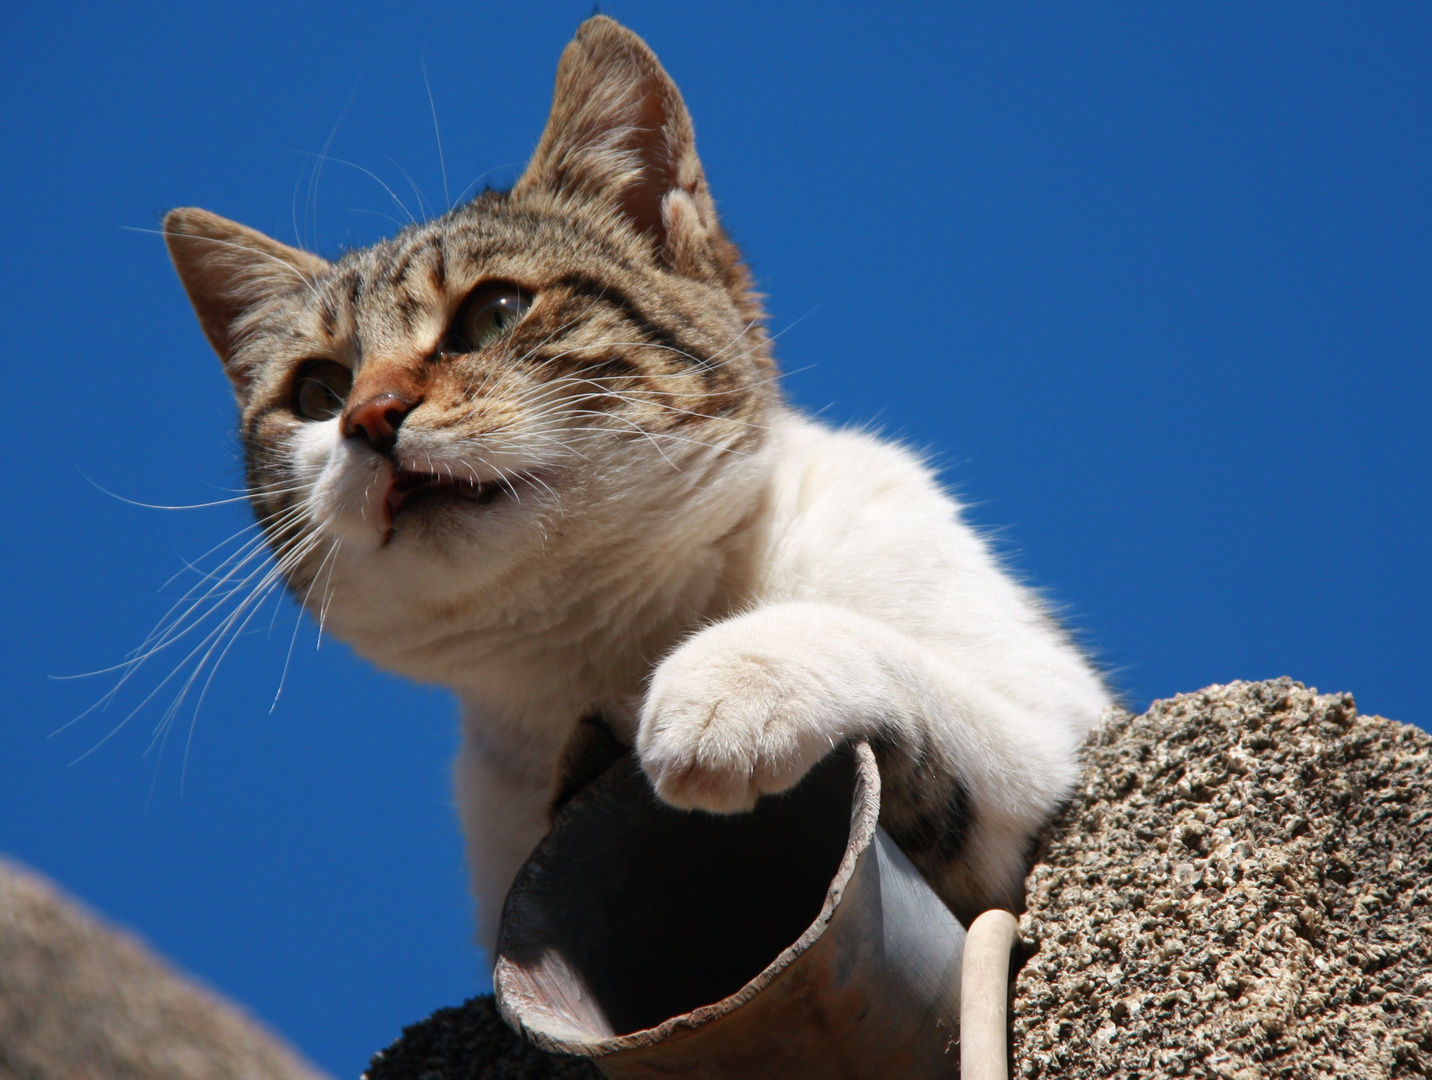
x=1242, y=888
x=471, y=1041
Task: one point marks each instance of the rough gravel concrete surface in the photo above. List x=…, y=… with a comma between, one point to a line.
x=1242, y=888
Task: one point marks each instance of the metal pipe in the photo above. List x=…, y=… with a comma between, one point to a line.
x=794, y=941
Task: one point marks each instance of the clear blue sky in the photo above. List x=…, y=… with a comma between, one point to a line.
x=1151, y=281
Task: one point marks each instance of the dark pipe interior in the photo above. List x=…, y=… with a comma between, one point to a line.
x=660, y=911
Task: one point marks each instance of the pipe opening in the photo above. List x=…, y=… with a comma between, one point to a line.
x=634, y=912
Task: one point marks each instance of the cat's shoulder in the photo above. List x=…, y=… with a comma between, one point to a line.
x=852, y=472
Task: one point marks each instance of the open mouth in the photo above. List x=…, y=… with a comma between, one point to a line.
x=408, y=487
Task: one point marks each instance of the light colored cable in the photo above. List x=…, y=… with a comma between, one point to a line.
x=984, y=997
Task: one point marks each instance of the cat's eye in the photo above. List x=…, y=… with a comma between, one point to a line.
x=320, y=389
x=487, y=315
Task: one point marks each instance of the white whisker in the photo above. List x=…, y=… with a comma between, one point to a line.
x=437, y=132
x=298, y=623
x=376, y=179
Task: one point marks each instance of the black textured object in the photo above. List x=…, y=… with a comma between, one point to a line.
x=471, y=1042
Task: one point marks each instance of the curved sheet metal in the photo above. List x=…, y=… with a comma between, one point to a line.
x=793, y=941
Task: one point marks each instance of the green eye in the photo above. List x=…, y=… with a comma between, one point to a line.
x=486, y=316
x=320, y=389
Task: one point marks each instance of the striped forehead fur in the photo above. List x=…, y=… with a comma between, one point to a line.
x=404, y=290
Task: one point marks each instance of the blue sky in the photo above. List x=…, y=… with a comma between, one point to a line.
x=1152, y=282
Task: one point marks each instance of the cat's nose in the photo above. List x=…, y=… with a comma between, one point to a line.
x=378, y=419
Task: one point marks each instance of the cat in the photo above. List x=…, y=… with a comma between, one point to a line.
x=534, y=451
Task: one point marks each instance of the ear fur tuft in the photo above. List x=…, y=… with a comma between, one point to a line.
x=227, y=269
x=619, y=136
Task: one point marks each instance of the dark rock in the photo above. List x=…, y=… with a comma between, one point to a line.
x=471, y=1042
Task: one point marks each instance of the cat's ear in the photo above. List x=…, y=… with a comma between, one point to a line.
x=227, y=269
x=619, y=137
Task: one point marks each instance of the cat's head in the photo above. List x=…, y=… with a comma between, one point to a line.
x=540, y=384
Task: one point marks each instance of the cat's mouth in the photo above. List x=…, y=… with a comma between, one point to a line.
x=409, y=486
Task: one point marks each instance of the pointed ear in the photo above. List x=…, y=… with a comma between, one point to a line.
x=227, y=269
x=619, y=136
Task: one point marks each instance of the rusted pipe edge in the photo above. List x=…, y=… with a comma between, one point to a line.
x=984, y=996
x=863, y=825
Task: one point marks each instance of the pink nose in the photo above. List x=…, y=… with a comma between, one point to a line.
x=378, y=419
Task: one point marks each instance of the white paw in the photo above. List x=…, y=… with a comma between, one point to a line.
x=732, y=716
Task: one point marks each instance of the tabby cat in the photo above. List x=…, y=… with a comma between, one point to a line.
x=534, y=451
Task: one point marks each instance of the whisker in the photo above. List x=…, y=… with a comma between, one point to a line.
x=311, y=199
x=658, y=435
x=252, y=603
x=375, y=178
x=147, y=699
x=170, y=628
x=298, y=623
x=285, y=533
x=422, y=208
x=461, y=195
x=327, y=599
x=437, y=132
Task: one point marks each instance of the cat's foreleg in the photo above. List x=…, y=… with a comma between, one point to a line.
x=745, y=707
x=502, y=801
